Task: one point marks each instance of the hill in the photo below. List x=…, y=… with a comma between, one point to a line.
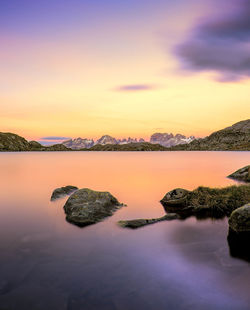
x=10, y=142
x=233, y=138
x=142, y=146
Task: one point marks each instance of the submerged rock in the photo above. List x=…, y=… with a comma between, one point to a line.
x=85, y=206
x=242, y=174
x=143, y=222
x=206, y=202
x=63, y=191
x=239, y=220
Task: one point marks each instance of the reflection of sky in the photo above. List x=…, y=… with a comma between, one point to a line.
x=177, y=264
x=62, y=63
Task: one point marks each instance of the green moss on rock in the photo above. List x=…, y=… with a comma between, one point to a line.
x=211, y=202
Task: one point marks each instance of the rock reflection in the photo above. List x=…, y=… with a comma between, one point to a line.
x=239, y=245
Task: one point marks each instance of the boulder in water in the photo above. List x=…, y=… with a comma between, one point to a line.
x=239, y=220
x=86, y=206
x=63, y=191
x=242, y=174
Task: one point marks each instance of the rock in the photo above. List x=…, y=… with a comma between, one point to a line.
x=63, y=191
x=143, y=222
x=85, y=206
x=174, y=199
x=242, y=174
x=239, y=220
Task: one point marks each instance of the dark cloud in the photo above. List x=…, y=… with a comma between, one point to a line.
x=220, y=45
x=135, y=87
x=54, y=138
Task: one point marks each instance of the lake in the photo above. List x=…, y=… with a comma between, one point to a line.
x=48, y=263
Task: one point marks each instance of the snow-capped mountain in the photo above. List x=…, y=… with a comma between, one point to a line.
x=165, y=139
x=79, y=143
x=106, y=139
x=168, y=139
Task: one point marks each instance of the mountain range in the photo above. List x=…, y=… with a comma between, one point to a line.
x=233, y=138
x=164, y=139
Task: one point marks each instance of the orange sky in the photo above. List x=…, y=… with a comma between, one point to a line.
x=76, y=79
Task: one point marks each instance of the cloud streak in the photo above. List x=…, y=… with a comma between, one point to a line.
x=220, y=45
x=54, y=138
x=135, y=87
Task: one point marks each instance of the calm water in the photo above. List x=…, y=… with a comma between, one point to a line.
x=47, y=263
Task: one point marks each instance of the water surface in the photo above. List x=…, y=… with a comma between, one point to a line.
x=47, y=263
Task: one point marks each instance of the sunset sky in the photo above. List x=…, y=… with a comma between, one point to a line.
x=125, y=68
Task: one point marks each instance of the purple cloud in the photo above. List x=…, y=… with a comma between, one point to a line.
x=135, y=87
x=220, y=45
x=55, y=138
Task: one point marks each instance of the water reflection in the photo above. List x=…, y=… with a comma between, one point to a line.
x=47, y=263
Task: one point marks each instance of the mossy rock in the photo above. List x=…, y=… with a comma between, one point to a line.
x=239, y=220
x=86, y=206
x=206, y=202
x=175, y=199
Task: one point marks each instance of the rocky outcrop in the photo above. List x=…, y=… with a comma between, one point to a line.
x=235, y=137
x=79, y=143
x=168, y=139
x=86, y=207
x=143, y=222
x=242, y=174
x=10, y=142
x=63, y=191
x=239, y=220
x=205, y=201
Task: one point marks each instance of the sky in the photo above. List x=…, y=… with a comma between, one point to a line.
x=85, y=68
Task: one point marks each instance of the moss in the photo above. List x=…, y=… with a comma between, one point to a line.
x=211, y=202
x=223, y=200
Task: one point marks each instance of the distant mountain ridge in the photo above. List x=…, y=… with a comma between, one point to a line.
x=169, y=140
x=233, y=138
x=164, y=139
x=79, y=143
